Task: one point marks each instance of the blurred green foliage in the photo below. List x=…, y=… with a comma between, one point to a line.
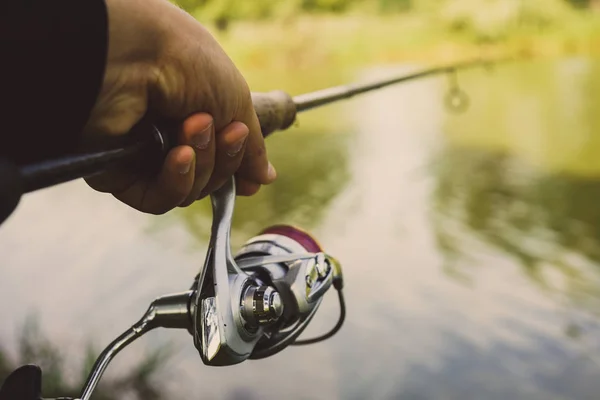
x=485, y=16
x=371, y=28
x=264, y=8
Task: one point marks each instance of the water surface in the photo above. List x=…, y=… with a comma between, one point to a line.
x=471, y=248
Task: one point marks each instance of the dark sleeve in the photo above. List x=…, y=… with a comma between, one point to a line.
x=52, y=60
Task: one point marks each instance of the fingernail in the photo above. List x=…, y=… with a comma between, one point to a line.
x=185, y=168
x=201, y=139
x=237, y=146
x=272, y=174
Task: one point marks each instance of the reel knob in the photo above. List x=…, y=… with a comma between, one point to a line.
x=261, y=305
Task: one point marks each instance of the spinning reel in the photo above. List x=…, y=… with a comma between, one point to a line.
x=250, y=306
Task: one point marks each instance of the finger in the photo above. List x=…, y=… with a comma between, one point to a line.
x=169, y=189
x=246, y=188
x=198, y=131
x=230, y=150
x=255, y=166
x=114, y=180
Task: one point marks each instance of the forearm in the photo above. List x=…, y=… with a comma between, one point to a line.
x=53, y=58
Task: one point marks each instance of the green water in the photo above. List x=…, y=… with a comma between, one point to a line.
x=470, y=244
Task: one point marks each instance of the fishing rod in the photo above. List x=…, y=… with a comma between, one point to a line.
x=246, y=306
x=276, y=111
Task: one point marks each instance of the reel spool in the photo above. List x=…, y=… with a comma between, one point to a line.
x=293, y=262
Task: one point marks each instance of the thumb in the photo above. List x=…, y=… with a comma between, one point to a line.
x=255, y=166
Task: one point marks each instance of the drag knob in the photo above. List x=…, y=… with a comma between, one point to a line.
x=261, y=305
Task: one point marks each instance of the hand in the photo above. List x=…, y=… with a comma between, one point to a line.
x=163, y=62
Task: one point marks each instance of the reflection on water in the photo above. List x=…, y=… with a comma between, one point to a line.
x=470, y=245
x=547, y=222
x=522, y=173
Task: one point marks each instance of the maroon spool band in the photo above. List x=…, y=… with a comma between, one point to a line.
x=305, y=240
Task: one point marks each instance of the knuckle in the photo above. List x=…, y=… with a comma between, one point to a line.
x=205, y=162
x=235, y=153
x=96, y=184
x=243, y=103
x=178, y=195
x=165, y=202
x=160, y=209
x=187, y=202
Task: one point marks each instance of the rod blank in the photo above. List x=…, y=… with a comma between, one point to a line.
x=276, y=111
